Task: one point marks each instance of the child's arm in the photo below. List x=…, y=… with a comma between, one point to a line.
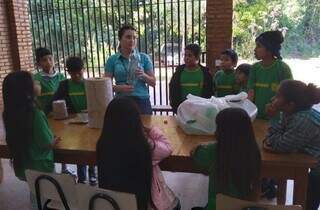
x=160, y=144
x=251, y=95
x=286, y=72
x=290, y=137
x=55, y=141
x=175, y=90
x=251, y=84
x=42, y=134
x=204, y=155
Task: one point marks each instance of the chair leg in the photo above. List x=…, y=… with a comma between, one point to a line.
x=1, y=172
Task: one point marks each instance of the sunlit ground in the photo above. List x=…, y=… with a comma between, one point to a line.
x=305, y=70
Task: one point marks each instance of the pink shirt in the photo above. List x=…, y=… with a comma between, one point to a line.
x=162, y=196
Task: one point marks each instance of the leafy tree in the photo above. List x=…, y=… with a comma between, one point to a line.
x=299, y=20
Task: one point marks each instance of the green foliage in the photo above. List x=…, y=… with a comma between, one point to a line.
x=89, y=28
x=299, y=20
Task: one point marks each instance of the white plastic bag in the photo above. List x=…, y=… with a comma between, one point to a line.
x=197, y=115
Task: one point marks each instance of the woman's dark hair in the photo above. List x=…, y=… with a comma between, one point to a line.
x=123, y=153
x=195, y=49
x=303, y=96
x=18, y=100
x=238, y=157
x=123, y=29
x=272, y=41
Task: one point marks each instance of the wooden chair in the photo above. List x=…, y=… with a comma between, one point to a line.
x=53, y=191
x=228, y=203
x=93, y=198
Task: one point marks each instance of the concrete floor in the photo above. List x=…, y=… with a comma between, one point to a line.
x=190, y=188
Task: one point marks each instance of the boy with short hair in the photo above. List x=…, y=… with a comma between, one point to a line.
x=48, y=78
x=225, y=79
x=73, y=92
x=242, y=76
x=190, y=77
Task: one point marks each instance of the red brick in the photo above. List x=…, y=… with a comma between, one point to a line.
x=15, y=38
x=219, y=28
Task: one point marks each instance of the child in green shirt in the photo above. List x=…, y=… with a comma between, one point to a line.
x=29, y=138
x=233, y=160
x=225, y=79
x=48, y=78
x=242, y=76
x=190, y=77
x=73, y=92
x=266, y=75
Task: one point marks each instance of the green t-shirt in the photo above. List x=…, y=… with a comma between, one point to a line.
x=40, y=156
x=191, y=82
x=49, y=85
x=77, y=94
x=225, y=83
x=265, y=81
x=205, y=157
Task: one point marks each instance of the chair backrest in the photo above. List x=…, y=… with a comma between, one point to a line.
x=102, y=199
x=59, y=188
x=228, y=203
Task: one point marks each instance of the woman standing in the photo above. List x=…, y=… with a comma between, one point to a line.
x=118, y=66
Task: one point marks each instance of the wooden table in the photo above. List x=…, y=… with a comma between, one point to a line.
x=78, y=147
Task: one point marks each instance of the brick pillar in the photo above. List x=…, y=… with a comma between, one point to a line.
x=219, y=29
x=15, y=38
x=20, y=35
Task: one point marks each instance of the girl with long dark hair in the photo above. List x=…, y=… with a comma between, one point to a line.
x=233, y=161
x=128, y=155
x=28, y=135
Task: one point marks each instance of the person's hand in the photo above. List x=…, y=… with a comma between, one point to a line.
x=56, y=140
x=193, y=151
x=251, y=95
x=125, y=88
x=140, y=73
x=271, y=111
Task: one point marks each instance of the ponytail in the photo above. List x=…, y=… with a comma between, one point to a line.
x=313, y=94
x=303, y=96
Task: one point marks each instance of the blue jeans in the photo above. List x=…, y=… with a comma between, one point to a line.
x=313, y=195
x=82, y=172
x=143, y=104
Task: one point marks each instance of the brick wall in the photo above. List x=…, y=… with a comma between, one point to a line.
x=15, y=38
x=219, y=28
x=5, y=53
